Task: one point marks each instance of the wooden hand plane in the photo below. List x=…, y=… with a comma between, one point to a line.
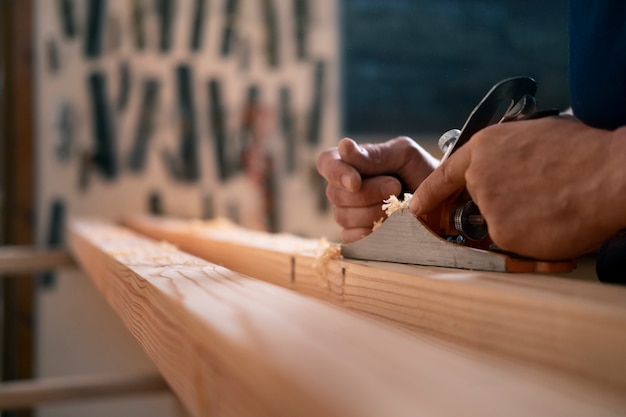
x=455, y=234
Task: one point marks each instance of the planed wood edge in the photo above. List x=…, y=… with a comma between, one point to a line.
x=572, y=326
x=264, y=256
x=231, y=345
x=27, y=259
x=584, y=338
x=20, y=394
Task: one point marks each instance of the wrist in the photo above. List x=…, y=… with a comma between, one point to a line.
x=616, y=175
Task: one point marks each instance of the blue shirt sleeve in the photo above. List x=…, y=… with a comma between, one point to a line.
x=597, y=67
x=597, y=78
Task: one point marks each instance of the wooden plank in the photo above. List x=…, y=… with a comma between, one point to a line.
x=573, y=326
x=27, y=259
x=231, y=345
x=262, y=255
x=21, y=394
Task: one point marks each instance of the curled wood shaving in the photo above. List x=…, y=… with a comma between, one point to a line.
x=391, y=205
x=378, y=223
x=330, y=251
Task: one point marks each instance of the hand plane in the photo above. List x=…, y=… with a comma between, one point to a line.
x=455, y=234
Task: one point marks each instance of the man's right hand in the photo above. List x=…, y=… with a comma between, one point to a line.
x=360, y=177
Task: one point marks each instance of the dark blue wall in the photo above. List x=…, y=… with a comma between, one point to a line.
x=414, y=66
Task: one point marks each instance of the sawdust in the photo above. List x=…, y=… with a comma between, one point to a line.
x=332, y=251
x=139, y=252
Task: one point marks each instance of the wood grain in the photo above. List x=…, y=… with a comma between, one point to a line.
x=571, y=326
x=231, y=345
x=21, y=394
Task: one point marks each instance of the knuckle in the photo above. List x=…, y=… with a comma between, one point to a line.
x=349, y=235
x=474, y=178
x=325, y=161
x=372, y=191
x=406, y=147
x=396, y=152
x=352, y=235
x=485, y=138
x=356, y=217
x=330, y=193
x=339, y=215
x=446, y=175
x=335, y=195
x=482, y=136
x=404, y=141
x=501, y=235
x=502, y=240
x=348, y=149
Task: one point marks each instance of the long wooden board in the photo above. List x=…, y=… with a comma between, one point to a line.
x=231, y=345
x=573, y=326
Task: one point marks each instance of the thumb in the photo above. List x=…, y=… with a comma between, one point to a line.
x=353, y=154
x=400, y=156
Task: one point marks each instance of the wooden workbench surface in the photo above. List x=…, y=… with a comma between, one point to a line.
x=229, y=344
x=571, y=325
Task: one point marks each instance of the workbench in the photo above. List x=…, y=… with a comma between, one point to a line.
x=240, y=323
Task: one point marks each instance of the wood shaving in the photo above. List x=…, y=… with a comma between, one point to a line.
x=331, y=251
x=391, y=205
x=378, y=223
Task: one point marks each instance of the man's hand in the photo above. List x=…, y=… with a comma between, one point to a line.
x=550, y=188
x=360, y=177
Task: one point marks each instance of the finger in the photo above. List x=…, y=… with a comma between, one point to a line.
x=337, y=172
x=352, y=235
x=358, y=217
x=373, y=191
x=401, y=156
x=372, y=159
x=444, y=181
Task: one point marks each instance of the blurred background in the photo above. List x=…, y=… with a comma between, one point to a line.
x=218, y=108
x=418, y=68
